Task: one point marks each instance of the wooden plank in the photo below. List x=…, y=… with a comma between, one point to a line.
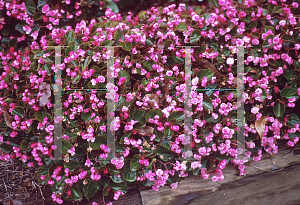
x=195, y=187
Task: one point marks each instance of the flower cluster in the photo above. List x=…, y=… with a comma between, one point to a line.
x=136, y=66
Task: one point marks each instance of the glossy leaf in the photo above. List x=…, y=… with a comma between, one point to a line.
x=41, y=114
x=30, y=7
x=278, y=108
x=66, y=145
x=18, y=111
x=177, y=115
x=205, y=73
x=134, y=163
x=289, y=93
x=195, y=36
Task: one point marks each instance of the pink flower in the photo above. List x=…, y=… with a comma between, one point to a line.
x=255, y=110
x=174, y=185
x=45, y=8
x=276, y=40
x=230, y=61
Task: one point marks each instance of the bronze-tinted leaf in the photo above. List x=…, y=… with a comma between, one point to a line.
x=205, y=64
x=146, y=131
x=153, y=98
x=166, y=87
x=46, y=91
x=260, y=125
x=9, y=119
x=160, y=46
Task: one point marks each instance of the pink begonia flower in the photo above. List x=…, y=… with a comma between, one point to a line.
x=255, y=110
x=230, y=61
x=45, y=8
x=174, y=185
x=276, y=40
x=282, y=22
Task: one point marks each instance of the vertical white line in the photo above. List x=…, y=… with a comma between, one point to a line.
x=58, y=107
x=187, y=105
x=240, y=98
x=110, y=106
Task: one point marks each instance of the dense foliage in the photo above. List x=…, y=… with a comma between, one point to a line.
x=148, y=91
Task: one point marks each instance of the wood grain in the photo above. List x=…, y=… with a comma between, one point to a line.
x=258, y=187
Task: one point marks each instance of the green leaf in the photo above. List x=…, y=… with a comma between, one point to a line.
x=30, y=7
x=205, y=73
x=87, y=116
x=99, y=140
x=206, y=16
x=18, y=111
x=177, y=115
x=253, y=24
x=41, y=3
x=254, y=35
x=207, y=104
x=288, y=38
x=37, y=16
x=142, y=15
x=266, y=43
x=66, y=145
x=214, y=2
x=129, y=175
x=72, y=47
x=290, y=75
x=41, y=114
x=70, y=37
x=19, y=27
x=139, y=115
x=208, y=117
x=92, y=189
x=150, y=41
x=165, y=153
x=289, y=93
x=270, y=8
x=168, y=132
x=278, y=108
x=182, y=26
x=173, y=179
x=268, y=28
x=178, y=60
x=13, y=42
x=152, y=113
x=195, y=36
x=134, y=163
x=112, y=169
x=113, y=6
x=6, y=147
x=211, y=88
x=76, y=194
x=72, y=165
x=126, y=46
x=293, y=119
x=119, y=35
x=278, y=9
x=294, y=135
x=148, y=183
x=42, y=170
x=86, y=63
x=124, y=74
x=297, y=65
x=25, y=144
x=119, y=187
x=117, y=179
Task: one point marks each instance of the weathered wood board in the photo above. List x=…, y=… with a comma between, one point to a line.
x=261, y=185
x=281, y=186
